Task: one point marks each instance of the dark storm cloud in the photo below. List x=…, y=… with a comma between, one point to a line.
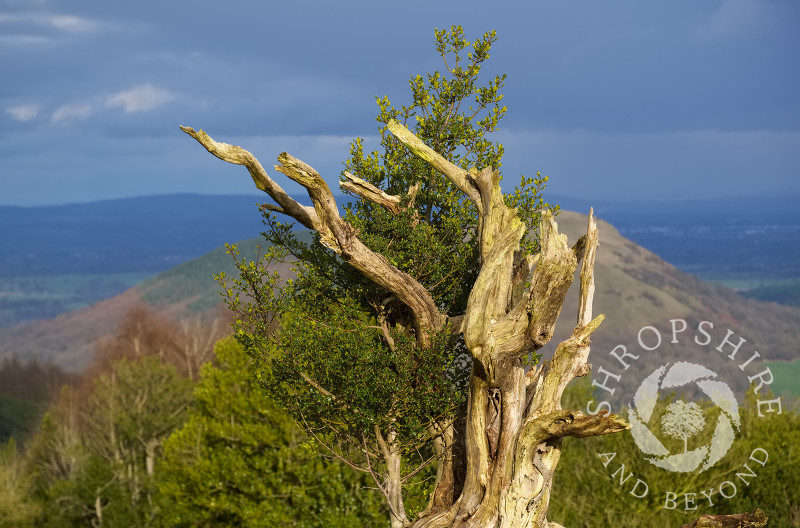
x=613, y=96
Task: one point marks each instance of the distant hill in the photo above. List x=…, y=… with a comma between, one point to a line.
x=57, y=259
x=70, y=338
x=745, y=242
x=148, y=234
x=634, y=288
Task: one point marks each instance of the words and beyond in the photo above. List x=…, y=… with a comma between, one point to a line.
x=688, y=501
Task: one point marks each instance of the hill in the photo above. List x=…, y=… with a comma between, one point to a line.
x=58, y=259
x=148, y=234
x=743, y=242
x=635, y=288
x=70, y=338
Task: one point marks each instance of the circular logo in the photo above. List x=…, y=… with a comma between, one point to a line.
x=682, y=419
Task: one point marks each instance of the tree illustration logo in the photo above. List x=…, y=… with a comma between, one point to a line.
x=683, y=420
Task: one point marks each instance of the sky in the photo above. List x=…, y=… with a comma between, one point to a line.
x=622, y=100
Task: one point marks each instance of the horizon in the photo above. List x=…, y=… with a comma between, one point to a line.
x=340, y=196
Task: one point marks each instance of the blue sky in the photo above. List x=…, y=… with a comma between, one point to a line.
x=613, y=100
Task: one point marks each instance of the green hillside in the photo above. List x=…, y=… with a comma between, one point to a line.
x=192, y=283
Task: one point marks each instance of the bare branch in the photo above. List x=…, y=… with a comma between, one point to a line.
x=570, y=359
x=567, y=363
x=334, y=232
x=273, y=208
x=530, y=324
x=369, y=192
x=559, y=424
x=453, y=172
x=587, y=273
x=239, y=156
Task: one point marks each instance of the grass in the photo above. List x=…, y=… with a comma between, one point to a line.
x=194, y=279
x=779, y=290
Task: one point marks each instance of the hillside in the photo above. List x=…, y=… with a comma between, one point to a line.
x=635, y=288
x=70, y=338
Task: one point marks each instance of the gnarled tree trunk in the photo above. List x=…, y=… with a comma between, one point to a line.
x=510, y=442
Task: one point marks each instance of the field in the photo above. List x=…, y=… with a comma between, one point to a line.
x=38, y=297
x=787, y=379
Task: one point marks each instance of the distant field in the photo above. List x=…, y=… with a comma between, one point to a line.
x=787, y=378
x=746, y=284
x=782, y=291
x=37, y=297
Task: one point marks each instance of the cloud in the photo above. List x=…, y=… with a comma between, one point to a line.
x=140, y=98
x=66, y=23
x=70, y=112
x=733, y=19
x=23, y=112
x=23, y=40
x=70, y=23
x=30, y=29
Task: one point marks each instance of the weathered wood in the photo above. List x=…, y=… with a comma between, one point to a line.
x=757, y=519
x=514, y=424
x=239, y=156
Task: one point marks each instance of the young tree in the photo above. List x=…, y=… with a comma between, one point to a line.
x=412, y=328
x=93, y=460
x=239, y=460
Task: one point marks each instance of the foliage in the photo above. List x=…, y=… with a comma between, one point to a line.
x=346, y=361
x=234, y=459
x=26, y=389
x=241, y=461
x=587, y=493
x=16, y=510
x=16, y=417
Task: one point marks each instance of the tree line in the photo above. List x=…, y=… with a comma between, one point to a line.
x=145, y=439
x=168, y=427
